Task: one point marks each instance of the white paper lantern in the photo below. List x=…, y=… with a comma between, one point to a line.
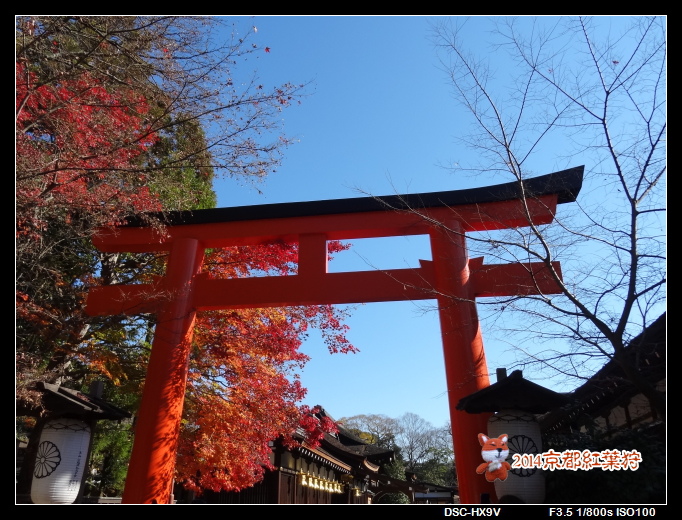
x=62, y=455
x=528, y=484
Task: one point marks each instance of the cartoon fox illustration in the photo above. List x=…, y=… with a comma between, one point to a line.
x=494, y=453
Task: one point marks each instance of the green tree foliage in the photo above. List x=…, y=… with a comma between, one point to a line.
x=438, y=467
x=395, y=469
x=108, y=464
x=185, y=177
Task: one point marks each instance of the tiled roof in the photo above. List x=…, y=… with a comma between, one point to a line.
x=609, y=384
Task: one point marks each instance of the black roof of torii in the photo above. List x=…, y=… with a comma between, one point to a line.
x=566, y=184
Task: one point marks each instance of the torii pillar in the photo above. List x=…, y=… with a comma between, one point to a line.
x=453, y=279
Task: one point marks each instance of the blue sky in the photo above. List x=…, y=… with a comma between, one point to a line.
x=379, y=119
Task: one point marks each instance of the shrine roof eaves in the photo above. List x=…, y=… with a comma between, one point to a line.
x=565, y=184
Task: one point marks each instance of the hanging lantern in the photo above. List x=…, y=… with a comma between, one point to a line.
x=527, y=484
x=60, y=461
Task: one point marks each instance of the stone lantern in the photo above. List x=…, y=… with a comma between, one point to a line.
x=516, y=402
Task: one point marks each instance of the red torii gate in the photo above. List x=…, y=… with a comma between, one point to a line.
x=451, y=278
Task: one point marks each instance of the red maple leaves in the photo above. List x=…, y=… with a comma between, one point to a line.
x=243, y=388
x=81, y=148
x=76, y=147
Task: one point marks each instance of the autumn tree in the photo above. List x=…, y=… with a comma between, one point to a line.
x=111, y=114
x=121, y=116
x=243, y=386
x=566, y=91
x=57, y=210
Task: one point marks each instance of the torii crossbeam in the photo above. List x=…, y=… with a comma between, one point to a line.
x=451, y=278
